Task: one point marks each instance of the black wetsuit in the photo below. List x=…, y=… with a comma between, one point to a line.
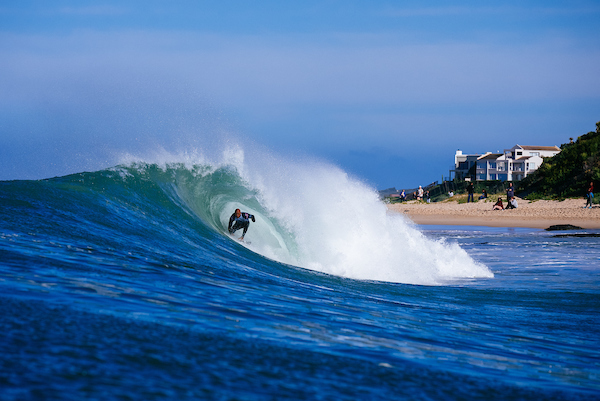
x=235, y=223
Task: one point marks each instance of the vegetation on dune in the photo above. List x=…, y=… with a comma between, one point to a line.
x=569, y=173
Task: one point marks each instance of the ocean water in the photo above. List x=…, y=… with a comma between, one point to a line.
x=123, y=284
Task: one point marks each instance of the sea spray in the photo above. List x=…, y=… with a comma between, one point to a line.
x=341, y=227
x=314, y=215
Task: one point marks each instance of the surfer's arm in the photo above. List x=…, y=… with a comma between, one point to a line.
x=231, y=219
x=249, y=216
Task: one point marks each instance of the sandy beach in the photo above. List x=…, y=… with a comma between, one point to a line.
x=533, y=214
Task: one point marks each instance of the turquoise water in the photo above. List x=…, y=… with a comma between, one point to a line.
x=123, y=284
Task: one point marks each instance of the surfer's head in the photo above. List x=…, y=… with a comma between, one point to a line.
x=238, y=212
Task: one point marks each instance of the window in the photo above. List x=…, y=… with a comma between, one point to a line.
x=531, y=166
x=500, y=166
x=492, y=176
x=482, y=177
x=534, y=154
x=481, y=165
x=492, y=164
x=502, y=177
x=519, y=153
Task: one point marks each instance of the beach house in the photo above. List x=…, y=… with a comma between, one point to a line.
x=463, y=164
x=514, y=164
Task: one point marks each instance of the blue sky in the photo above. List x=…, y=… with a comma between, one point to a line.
x=386, y=90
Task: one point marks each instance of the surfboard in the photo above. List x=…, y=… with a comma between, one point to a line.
x=241, y=240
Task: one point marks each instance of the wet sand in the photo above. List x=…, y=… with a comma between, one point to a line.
x=533, y=214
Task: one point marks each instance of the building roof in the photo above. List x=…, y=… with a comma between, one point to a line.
x=490, y=156
x=550, y=148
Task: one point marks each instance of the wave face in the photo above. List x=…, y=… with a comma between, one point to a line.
x=310, y=215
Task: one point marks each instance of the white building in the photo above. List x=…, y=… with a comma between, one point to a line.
x=463, y=163
x=487, y=166
x=514, y=164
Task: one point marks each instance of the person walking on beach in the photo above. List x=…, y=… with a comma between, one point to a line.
x=402, y=196
x=420, y=193
x=470, y=190
x=590, y=195
x=427, y=197
x=240, y=220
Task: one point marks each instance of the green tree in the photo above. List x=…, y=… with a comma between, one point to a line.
x=568, y=173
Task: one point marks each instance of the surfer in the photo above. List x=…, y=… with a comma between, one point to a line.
x=240, y=220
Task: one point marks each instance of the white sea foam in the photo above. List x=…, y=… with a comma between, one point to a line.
x=339, y=226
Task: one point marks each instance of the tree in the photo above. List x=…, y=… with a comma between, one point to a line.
x=568, y=173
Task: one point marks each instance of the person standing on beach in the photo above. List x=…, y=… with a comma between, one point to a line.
x=510, y=192
x=470, y=190
x=420, y=193
x=590, y=195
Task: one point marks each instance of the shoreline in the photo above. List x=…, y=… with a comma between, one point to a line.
x=530, y=214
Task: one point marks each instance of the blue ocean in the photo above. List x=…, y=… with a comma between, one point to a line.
x=124, y=284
